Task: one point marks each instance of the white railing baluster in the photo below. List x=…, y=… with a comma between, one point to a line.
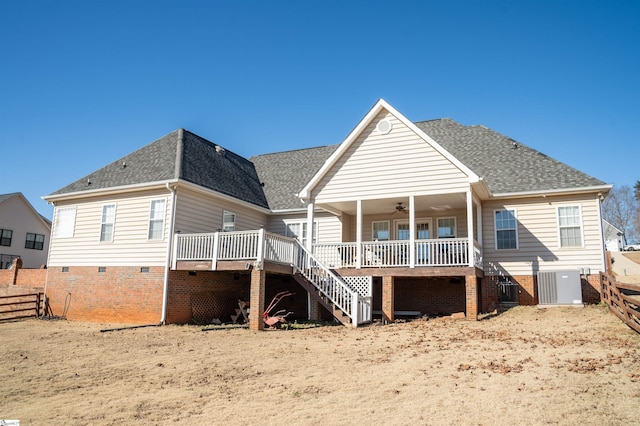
x=246, y=245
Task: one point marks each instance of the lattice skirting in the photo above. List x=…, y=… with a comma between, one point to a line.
x=362, y=285
x=209, y=305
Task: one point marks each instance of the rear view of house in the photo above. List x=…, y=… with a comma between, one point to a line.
x=400, y=218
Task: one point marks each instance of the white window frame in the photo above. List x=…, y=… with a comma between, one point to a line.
x=228, y=225
x=373, y=230
x=455, y=227
x=302, y=229
x=579, y=226
x=106, y=222
x=65, y=222
x=155, y=216
x=419, y=221
x=495, y=228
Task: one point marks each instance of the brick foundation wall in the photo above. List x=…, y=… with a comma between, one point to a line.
x=31, y=277
x=119, y=294
x=590, y=288
x=430, y=296
x=125, y=295
x=528, y=290
x=17, y=275
x=202, y=296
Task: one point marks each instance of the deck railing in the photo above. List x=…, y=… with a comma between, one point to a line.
x=431, y=252
x=331, y=286
x=239, y=245
x=261, y=245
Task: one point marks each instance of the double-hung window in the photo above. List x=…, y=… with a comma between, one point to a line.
x=299, y=230
x=34, y=241
x=447, y=227
x=570, y=226
x=5, y=237
x=380, y=230
x=228, y=221
x=506, y=226
x=156, y=219
x=107, y=223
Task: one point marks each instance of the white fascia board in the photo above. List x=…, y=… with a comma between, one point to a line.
x=560, y=191
x=108, y=191
x=146, y=186
x=305, y=193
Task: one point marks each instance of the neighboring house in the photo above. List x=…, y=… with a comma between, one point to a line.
x=612, y=236
x=401, y=218
x=24, y=233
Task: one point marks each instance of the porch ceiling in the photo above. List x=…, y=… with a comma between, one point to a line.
x=423, y=203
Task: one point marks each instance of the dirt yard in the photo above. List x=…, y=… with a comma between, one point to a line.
x=523, y=366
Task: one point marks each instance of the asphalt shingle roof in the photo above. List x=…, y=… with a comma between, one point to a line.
x=274, y=180
x=285, y=173
x=192, y=158
x=506, y=165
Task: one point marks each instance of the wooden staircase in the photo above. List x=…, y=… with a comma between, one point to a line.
x=319, y=297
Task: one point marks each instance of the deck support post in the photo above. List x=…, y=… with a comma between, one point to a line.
x=388, y=295
x=256, y=299
x=471, y=292
x=314, y=308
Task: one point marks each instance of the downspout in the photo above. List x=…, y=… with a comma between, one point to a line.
x=46, y=274
x=603, y=248
x=167, y=266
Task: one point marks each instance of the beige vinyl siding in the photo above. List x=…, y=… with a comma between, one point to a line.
x=329, y=225
x=538, y=238
x=198, y=212
x=130, y=245
x=379, y=166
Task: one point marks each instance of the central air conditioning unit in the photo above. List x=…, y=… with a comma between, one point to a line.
x=559, y=288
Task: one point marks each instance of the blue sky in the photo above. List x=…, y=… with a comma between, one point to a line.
x=83, y=83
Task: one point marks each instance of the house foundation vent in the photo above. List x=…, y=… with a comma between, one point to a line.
x=559, y=288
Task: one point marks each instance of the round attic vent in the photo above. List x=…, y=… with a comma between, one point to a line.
x=384, y=126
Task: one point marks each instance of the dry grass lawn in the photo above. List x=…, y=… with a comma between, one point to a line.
x=524, y=366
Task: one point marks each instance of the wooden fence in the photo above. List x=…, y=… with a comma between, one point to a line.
x=21, y=306
x=623, y=300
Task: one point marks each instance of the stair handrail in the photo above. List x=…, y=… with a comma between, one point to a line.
x=328, y=282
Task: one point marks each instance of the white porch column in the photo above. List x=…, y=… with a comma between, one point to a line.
x=309, y=244
x=470, y=227
x=412, y=231
x=358, y=234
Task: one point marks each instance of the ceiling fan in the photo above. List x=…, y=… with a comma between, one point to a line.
x=400, y=208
